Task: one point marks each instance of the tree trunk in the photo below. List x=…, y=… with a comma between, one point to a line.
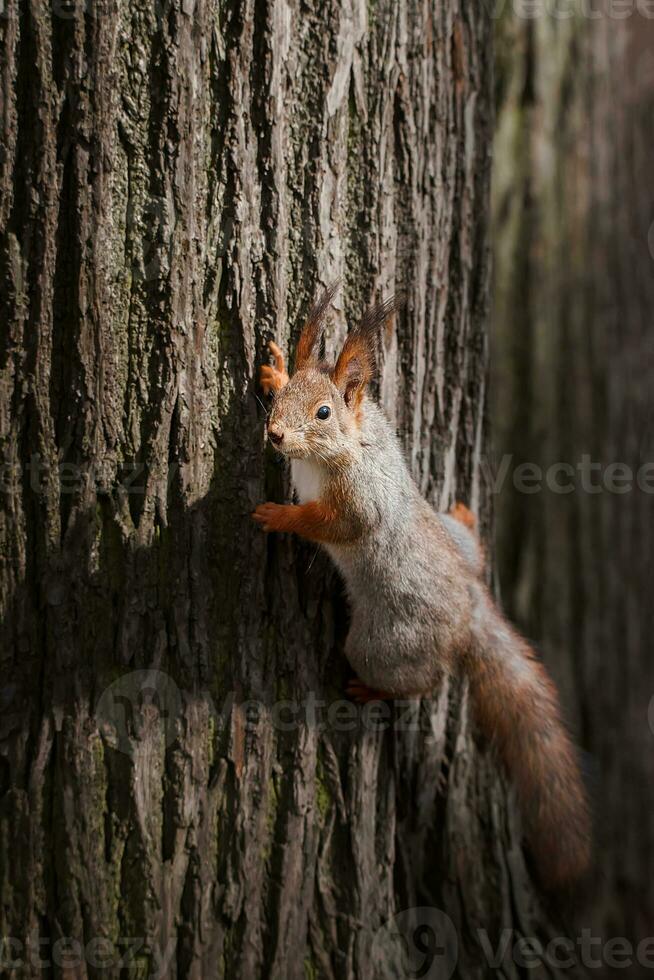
x=574, y=361
x=176, y=184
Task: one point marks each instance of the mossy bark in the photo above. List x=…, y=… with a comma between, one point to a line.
x=177, y=181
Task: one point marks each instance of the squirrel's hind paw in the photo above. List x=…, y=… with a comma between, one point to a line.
x=464, y=515
x=359, y=692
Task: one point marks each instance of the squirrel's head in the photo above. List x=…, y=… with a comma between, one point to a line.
x=317, y=413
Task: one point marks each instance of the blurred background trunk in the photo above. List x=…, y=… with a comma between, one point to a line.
x=573, y=363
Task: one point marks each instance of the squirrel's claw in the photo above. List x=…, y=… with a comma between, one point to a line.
x=267, y=379
x=279, y=357
x=273, y=378
x=265, y=515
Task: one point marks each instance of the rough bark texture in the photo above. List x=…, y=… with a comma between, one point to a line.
x=574, y=361
x=176, y=182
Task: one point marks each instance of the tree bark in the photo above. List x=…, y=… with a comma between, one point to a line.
x=572, y=382
x=177, y=182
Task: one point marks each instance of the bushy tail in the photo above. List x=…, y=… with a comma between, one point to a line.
x=517, y=707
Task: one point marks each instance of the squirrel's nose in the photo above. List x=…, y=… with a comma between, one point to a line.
x=275, y=436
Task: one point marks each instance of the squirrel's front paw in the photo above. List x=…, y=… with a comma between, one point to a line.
x=273, y=378
x=269, y=516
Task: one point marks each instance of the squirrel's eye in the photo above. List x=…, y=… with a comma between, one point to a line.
x=323, y=412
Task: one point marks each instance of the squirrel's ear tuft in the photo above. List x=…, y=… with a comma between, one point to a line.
x=357, y=361
x=308, y=346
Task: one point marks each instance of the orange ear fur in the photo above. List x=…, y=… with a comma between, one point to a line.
x=354, y=368
x=308, y=346
x=357, y=361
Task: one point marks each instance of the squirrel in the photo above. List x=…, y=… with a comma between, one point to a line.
x=414, y=579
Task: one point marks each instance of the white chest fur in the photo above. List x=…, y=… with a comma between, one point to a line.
x=308, y=479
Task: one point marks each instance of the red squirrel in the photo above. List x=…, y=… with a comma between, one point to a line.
x=419, y=607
